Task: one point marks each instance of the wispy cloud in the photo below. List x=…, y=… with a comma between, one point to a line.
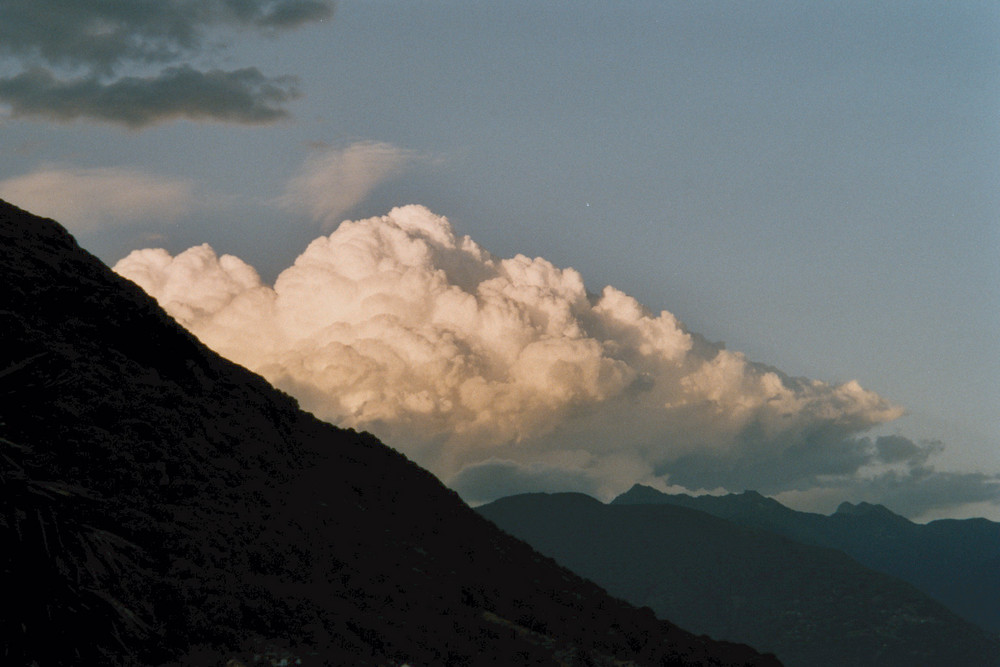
x=334, y=180
x=100, y=38
x=507, y=375
x=86, y=200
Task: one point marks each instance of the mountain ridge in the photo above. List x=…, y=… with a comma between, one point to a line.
x=813, y=606
x=957, y=562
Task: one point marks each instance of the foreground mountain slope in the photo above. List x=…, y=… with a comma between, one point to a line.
x=957, y=562
x=169, y=507
x=812, y=606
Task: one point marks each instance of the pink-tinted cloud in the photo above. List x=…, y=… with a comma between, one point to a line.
x=86, y=200
x=398, y=325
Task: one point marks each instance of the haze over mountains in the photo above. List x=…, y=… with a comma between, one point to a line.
x=813, y=606
x=168, y=506
x=954, y=561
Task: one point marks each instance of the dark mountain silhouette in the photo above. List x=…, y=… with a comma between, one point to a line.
x=812, y=606
x=957, y=562
x=161, y=505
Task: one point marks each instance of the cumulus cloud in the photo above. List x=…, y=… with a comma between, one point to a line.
x=100, y=38
x=89, y=199
x=334, y=180
x=500, y=375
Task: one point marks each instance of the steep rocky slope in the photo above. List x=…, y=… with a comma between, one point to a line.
x=166, y=506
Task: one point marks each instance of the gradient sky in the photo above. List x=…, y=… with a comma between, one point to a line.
x=815, y=184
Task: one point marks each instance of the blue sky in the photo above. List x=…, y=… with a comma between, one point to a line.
x=815, y=184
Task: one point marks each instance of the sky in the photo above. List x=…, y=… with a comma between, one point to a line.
x=705, y=246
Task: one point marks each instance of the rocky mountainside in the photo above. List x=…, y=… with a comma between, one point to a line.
x=811, y=606
x=166, y=506
x=957, y=562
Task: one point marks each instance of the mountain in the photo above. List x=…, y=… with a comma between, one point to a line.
x=957, y=562
x=165, y=506
x=811, y=606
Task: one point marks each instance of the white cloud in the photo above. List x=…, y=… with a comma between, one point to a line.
x=86, y=200
x=333, y=181
x=462, y=360
x=220, y=280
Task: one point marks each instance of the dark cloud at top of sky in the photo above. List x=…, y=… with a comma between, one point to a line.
x=242, y=96
x=100, y=37
x=102, y=34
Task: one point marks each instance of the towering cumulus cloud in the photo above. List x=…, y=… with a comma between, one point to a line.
x=506, y=375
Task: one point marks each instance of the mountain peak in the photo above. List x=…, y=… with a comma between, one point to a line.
x=866, y=509
x=640, y=494
x=758, y=500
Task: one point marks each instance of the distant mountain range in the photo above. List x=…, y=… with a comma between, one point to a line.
x=954, y=561
x=813, y=606
x=160, y=505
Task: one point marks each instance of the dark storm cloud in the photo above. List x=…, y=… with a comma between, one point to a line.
x=923, y=489
x=773, y=464
x=100, y=37
x=241, y=96
x=811, y=461
x=830, y=461
x=897, y=449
